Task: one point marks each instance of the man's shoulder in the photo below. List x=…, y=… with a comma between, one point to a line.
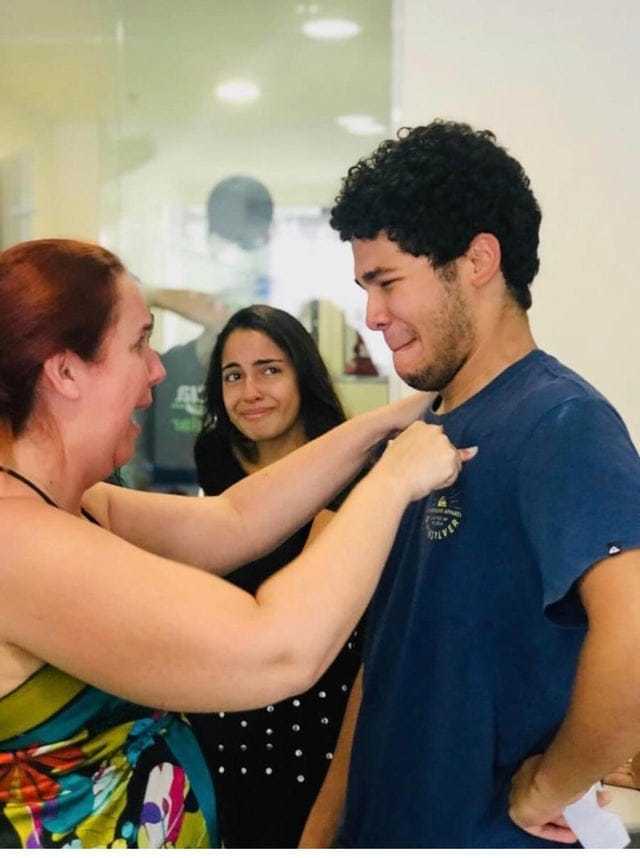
x=182, y=368
x=566, y=419
x=550, y=377
x=535, y=392
x=542, y=385
x=183, y=353
x=558, y=393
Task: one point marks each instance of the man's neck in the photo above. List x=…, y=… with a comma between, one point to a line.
x=501, y=346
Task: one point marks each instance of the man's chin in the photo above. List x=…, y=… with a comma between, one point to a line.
x=433, y=379
x=410, y=371
x=418, y=380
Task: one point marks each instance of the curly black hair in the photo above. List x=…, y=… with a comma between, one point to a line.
x=434, y=188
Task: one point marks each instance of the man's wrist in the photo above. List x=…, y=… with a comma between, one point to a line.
x=546, y=793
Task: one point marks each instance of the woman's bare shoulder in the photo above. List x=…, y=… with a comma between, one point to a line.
x=19, y=519
x=17, y=511
x=28, y=527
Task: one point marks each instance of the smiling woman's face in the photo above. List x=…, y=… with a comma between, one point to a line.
x=259, y=386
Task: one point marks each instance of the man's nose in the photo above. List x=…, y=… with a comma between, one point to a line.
x=377, y=317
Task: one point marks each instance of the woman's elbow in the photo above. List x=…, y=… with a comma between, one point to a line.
x=296, y=671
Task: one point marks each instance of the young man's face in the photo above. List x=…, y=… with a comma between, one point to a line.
x=423, y=315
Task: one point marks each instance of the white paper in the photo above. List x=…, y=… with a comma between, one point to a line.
x=595, y=826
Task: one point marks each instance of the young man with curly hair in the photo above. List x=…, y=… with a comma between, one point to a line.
x=501, y=669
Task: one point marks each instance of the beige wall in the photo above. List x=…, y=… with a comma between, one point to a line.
x=559, y=83
x=66, y=175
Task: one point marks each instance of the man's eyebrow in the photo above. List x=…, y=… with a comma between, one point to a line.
x=370, y=276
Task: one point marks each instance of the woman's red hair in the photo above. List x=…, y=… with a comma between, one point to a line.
x=55, y=295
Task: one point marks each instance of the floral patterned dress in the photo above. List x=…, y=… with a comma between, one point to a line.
x=82, y=768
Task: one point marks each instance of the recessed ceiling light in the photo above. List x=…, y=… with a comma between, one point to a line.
x=237, y=91
x=330, y=29
x=361, y=124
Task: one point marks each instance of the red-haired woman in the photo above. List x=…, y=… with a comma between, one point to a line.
x=110, y=618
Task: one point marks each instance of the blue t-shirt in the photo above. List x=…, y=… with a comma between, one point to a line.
x=476, y=626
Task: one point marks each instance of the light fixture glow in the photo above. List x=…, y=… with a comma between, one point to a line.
x=361, y=124
x=330, y=29
x=237, y=91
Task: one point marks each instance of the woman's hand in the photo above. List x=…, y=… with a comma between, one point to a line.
x=422, y=459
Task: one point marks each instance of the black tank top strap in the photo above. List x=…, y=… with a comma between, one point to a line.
x=42, y=494
x=28, y=482
x=89, y=517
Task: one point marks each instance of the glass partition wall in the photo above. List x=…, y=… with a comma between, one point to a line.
x=203, y=142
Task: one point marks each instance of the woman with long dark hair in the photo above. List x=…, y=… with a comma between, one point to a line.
x=223, y=435
x=268, y=392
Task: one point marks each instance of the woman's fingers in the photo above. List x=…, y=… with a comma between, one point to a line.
x=426, y=457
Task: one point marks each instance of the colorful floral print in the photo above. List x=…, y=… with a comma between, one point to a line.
x=98, y=772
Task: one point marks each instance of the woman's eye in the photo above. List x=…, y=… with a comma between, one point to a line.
x=230, y=377
x=271, y=370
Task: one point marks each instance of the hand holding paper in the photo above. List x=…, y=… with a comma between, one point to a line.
x=532, y=810
x=595, y=826
x=541, y=816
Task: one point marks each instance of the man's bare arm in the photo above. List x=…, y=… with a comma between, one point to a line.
x=602, y=726
x=626, y=775
x=200, y=307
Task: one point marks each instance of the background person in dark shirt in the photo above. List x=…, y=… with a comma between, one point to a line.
x=239, y=221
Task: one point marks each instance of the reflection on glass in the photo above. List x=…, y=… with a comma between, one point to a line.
x=111, y=131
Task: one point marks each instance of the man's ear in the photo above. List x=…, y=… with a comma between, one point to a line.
x=61, y=372
x=484, y=257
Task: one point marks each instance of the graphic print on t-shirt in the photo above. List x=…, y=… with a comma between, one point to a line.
x=443, y=515
x=188, y=401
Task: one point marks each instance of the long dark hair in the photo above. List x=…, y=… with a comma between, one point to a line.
x=320, y=408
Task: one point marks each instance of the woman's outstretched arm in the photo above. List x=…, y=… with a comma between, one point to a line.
x=258, y=513
x=166, y=635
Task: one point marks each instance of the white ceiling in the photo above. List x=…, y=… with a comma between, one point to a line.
x=144, y=71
